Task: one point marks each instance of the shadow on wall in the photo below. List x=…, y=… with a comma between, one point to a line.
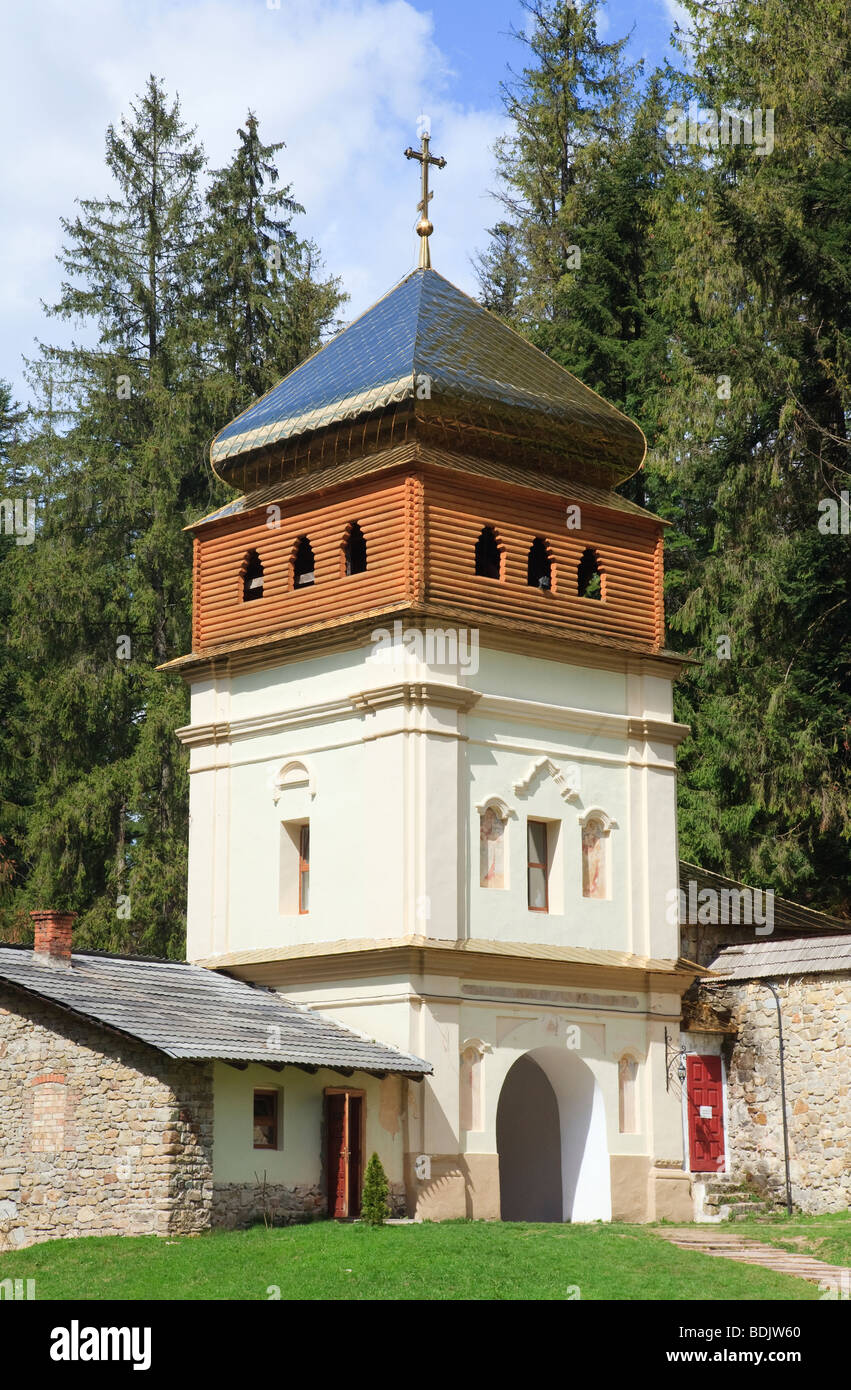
x=551, y=1141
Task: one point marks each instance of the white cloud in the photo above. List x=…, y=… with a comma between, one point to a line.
x=342, y=81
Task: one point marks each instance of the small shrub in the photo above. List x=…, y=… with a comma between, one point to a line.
x=374, y=1205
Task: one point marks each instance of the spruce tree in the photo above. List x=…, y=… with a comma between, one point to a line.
x=106, y=596
x=376, y=1189
x=265, y=306
x=752, y=437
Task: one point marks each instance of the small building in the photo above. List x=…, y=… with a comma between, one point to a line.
x=782, y=1009
x=142, y=1097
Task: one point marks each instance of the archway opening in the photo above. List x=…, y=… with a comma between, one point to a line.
x=528, y=1142
x=552, y=1140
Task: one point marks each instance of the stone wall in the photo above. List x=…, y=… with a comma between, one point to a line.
x=99, y=1134
x=816, y=1012
x=237, y=1205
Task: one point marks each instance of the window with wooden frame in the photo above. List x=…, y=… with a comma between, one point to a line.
x=539, y=567
x=252, y=577
x=537, y=869
x=354, y=551
x=304, y=868
x=303, y=564
x=589, y=576
x=488, y=554
x=267, y=1119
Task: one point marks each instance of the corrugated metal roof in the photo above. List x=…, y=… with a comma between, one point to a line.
x=188, y=1012
x=304, y=481
x=425, y=330
x=811, y=955
x=788, y=916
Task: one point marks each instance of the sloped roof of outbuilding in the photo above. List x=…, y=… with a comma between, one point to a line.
x=778, y=958
x=788, y=916
x=189, y=1012
x=477, y=370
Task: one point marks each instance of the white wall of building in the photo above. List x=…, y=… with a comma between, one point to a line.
x=391, y=794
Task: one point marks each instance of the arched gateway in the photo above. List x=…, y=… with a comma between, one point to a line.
x=551, y=1141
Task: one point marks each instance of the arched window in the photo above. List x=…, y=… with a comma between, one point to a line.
x=491, y=849
x=539, y=571
x=252, y=577
x=302, y=563
x=354, y=550
x=589, y=576
x=627, y=1095
x=488, y=555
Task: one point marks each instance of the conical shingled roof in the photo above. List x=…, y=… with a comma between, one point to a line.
x=429, y=348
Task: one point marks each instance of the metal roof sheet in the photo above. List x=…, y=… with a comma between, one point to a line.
x=302, y=483
x=788, y=916
x=472, y=946
x=425, y=330
x=189, y=1012
x=811, y=955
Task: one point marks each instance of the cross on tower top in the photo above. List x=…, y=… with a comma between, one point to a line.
x=424, y=226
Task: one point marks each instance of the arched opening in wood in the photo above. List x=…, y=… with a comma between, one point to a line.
x=252, y=577
x=354, y=550
x=303, y=569
x=488, y=554
x=539, y=566
x=589, y=576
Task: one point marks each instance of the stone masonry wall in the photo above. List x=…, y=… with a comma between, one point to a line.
x=237, y=1205
x=99, y=1134
x=816, y=1012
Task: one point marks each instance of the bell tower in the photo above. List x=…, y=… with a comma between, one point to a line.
x=432, y=745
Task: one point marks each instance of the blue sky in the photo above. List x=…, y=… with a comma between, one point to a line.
x=341, y=81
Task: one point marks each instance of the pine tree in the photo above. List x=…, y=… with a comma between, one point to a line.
x=106, y=596
x=376, y=1189
x=573, y=267
x=192, y=317
x=267, y=311
x=752, y=436
x=15, y=512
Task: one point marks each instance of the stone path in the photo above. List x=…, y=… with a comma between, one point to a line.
x=730, y=1246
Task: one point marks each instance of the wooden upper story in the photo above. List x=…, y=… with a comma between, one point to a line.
x=429, y=534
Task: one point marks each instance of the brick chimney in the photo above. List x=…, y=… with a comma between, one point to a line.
x=52, y=944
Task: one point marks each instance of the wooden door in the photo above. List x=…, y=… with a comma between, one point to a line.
x=705, y=1108
x=344, y=1116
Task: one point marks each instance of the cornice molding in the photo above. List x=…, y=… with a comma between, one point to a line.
x=416, y=694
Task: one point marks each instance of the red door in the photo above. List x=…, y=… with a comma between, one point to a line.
x=343, y=1152
x=705, y=1105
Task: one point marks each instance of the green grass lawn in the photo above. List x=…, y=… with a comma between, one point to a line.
x=450, y=1260
x=828, y=1237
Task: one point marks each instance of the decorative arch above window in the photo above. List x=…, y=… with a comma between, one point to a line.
x=539, y=565
x=354, y=550
x=596, y=826
x=293, y=776
x=302, y=563
x=252, y=577
x=567, y=781
x=590, y=576
x=489, y=554
x=496, y=803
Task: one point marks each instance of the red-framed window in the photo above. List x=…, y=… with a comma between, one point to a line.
x=536, y=865
x=304, y=869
